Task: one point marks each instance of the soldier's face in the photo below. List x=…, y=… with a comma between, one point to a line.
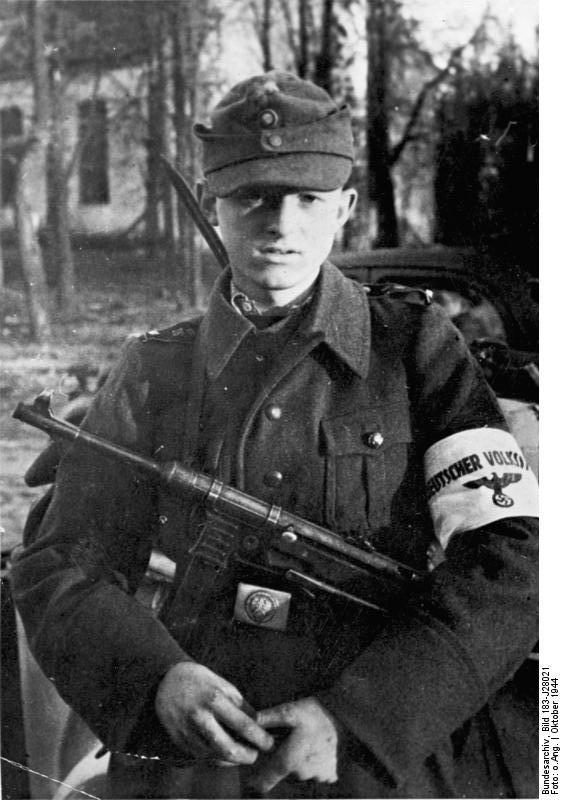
x=277, y=238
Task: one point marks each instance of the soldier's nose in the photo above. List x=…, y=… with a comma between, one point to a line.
x=281, y=215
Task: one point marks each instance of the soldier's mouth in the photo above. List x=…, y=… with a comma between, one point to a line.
x=277, y=251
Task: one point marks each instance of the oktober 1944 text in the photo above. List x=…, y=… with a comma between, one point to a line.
x=549, y=732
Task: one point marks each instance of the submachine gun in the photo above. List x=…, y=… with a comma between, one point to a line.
x=238, y=525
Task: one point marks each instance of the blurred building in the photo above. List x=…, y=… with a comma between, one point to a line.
x=105, y=150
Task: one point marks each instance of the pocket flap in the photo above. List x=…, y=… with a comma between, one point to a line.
x=368, y=431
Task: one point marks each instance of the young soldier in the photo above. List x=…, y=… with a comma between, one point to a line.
x=364, y=414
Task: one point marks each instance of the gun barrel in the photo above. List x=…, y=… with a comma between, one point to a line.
x=35, y=415
x=216, y=494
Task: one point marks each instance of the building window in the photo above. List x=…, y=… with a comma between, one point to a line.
x=94, y=152
x=11, y=124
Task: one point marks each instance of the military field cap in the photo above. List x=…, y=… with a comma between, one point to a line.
x=276, y=129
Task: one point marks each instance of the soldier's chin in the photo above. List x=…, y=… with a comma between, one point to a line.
x=275, y=272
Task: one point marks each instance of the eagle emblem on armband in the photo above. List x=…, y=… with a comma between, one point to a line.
x=497, y=483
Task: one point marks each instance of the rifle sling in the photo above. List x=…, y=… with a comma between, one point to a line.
x=208, y=561
x=211, y=553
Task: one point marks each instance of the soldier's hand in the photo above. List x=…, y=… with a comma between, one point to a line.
x=207, y=717
x=309, y=752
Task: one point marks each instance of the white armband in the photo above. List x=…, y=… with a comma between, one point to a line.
x=476, y=477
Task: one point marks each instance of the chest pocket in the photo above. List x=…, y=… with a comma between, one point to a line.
x=367, y=455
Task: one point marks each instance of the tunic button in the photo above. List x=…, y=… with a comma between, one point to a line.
x=374, y=440
x=273, y=478
x=273, y=412
x=275, y=140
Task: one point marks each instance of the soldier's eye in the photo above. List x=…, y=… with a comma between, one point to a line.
x=249, y=199
x=309, y=199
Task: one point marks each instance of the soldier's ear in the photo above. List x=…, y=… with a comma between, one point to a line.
x=207, y=201
x=347, y=204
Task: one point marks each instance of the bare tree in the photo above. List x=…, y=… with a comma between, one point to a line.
x=263, y=15
x=57, y=179
x=392, y=45
x=266, y=36
x=156, y=122
x=1, y=248
x=300, y=29
x=304, y=24
x=324, y=61
x=189, y=29
x=33, y=150
x=379, y=180
x=166, y=190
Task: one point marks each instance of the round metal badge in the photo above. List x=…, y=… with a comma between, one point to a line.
x=261, y=606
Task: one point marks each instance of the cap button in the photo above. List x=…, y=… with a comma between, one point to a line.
x=275, y=140
x=375, y=440
x=269, y=118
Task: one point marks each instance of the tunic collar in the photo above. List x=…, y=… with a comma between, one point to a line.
x=339, y=316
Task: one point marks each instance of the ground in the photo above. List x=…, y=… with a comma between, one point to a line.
x=119, y=294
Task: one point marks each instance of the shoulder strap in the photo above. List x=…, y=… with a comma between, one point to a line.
x=414, y=295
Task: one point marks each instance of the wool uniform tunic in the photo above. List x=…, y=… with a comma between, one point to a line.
x=368, y=402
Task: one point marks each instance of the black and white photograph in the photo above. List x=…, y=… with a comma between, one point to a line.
x=269, y=402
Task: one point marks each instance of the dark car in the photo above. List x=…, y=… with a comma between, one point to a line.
x=489, y=299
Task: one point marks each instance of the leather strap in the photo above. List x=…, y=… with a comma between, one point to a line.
x=208, y=561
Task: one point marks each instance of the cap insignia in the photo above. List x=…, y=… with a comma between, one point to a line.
x=269, y=118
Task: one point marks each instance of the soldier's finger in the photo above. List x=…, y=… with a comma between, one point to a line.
x=223, y=746
x=199, y=749
x=283, y=716
x=244, y=727
x=233, y=693
x=240, y=701
x=247, y=708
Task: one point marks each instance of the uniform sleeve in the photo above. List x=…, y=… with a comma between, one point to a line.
x=433, y=665
x=74, y=585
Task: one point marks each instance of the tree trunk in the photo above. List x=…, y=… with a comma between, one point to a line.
x=266, y=36
x=324, y=63
x=185, y=234
x=35, y=282
x=36, y=290
x=156, y=131
x=2, y=279
x=185, y=69
x=165, y=188
x=303, y=64
x=57, y=193
x=379, y=182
